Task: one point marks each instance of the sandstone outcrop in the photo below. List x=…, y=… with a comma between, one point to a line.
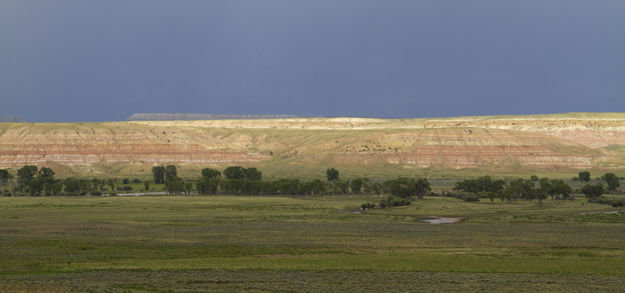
x=548, y=141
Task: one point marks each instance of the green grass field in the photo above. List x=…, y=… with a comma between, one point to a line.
x=314, y=244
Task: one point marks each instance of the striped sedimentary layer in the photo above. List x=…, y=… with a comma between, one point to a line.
x=569, y=141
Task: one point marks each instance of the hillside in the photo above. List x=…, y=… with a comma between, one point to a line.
x=304, y=147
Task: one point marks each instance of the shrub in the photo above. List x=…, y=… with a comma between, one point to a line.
x=471, y=198
x=393, y=202
x=613, y=202
x=366, y=206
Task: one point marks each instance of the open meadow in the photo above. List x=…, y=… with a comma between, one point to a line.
x=313, y=244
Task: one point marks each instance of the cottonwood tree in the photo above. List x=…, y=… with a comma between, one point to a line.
x=158, y=172
x=422, y=186
x=46, y=172
x=171, y=172
x=521, y=188
x=253, y=174
x=110, y=182
x=25, y=175
x=4, y=178
x=210, y=173
x=612, y=181
x=555, y=188
x=592, y=191
x=584, y=176
x=356, y=185
x=235, y=172
x=175, y=186
x=332, y=174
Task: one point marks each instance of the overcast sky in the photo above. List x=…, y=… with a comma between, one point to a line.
x=81, y=60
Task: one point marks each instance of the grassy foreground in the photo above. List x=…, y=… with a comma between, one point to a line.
x=315, y=244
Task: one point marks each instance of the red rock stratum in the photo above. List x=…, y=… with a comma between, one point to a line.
x=576, y=140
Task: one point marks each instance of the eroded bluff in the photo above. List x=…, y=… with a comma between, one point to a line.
x=537, y=141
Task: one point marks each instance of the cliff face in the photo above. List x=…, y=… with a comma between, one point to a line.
x=535, y=142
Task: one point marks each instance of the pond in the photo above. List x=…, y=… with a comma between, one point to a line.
x=441, y=220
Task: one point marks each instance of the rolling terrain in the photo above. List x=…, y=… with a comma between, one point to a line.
x=307, y=243
x=301, y=147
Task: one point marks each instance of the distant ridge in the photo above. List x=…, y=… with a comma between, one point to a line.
x=11, y=119
x=304, y=147
x=184, y=116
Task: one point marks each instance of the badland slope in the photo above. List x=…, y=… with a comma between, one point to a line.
x=545, y=142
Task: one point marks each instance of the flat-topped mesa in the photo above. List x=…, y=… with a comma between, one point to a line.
x=546, y=141
x=590, y=129
x=12, y=119
x=191, y=116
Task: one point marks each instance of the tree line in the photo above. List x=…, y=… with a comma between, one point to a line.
x=533, y=188
x=237, y=180
x=31, y=180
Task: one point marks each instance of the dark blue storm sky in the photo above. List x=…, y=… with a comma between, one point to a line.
x=84, y=60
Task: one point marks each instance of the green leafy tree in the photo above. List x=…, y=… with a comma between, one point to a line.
x=367, y=185
x=612, y=181
x=546, y=188
x=267, y=188
x=356, y=185
x=207, y=185
x=111, y=183
x=175, y=186
x=210, y=173
x=73, y=186
x=5, y=176
x=35, y=185
x=402, y=187
x=46, y=172
x=332, y=174
x=584, y=176
x=480, y=185
x=253, y=174
x=422, y=186
x=560, y=188
x=339, y=187
x=235, y=172
x=55, y=188
x=231, y=186
x=97, y=184
x=171, y=172
x=158, y=173
x=26, y=173
x=376, y=188
x=521, y=188
x=593, y=191
x=188, y=187
x=25, y=176
x=555, y=188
